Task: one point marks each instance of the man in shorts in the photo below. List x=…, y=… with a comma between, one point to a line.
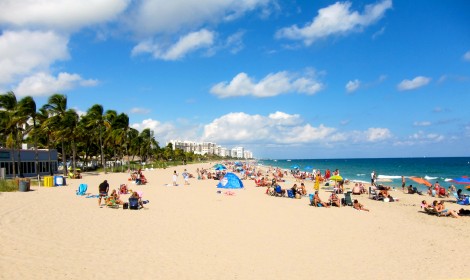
x=103, y=189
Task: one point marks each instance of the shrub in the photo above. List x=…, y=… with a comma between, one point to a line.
x=8, y=186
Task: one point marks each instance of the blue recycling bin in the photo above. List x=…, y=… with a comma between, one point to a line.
x=59, y=181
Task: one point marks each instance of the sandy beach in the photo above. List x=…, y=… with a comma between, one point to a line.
x=193, y=232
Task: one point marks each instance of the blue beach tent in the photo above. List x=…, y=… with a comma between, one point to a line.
x=230, y=181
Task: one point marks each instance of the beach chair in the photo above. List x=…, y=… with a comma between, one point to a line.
x=111, y=203
x=82, y=188
x=278, y=191
x=465, y=201
x=373, y=194
x=431, y=211
x=290, y=194
x=133, y=203
x=348, y=199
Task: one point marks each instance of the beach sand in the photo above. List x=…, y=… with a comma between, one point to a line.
x=193, y=232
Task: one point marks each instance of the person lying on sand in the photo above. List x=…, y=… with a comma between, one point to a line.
x=358, y=206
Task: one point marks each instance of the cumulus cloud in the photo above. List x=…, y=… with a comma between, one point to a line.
x=43, y=84
x=352, y=86
x=336, y=19
x=59, y=14
x=186, y=44
x=417, y=82
x=241, y=127
x=272, y=85
x=24, y=52
x=377, y=134
x=159, y=128
x=151, y=17
x=466, y=56
x=422, y=137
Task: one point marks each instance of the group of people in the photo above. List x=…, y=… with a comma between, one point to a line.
x=334, y=200
x=439, y=208
x=114, y=197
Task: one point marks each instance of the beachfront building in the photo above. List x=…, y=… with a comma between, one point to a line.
x=209, y=148
x=25, y=162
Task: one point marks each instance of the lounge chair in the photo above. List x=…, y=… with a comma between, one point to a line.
x=278, y=191
x=348, y=199
x=112, y=203
x=134, y=203
x=373, y=194
x=432, y=211
x=82, y=188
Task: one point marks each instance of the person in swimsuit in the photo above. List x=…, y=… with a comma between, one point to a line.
x=103, y=189
x=359, y=206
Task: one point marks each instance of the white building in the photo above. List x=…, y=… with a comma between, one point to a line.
x=204, y=148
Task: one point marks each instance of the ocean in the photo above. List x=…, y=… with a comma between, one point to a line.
x=389, y=170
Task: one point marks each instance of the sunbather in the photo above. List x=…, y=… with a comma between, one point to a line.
x=136, y=195
x=318, y=202
x=358, y=206
x=356, y=189
x=444, y=212
x=334, y=200
x=114, y=196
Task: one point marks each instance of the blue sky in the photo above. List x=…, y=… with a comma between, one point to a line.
x=284, y=79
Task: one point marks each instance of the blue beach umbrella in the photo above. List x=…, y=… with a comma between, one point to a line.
x=462, y=180
x=295, y=166
x=308, y=167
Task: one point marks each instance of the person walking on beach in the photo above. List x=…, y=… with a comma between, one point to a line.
x=373, y=178
x=175, y=177
x=186, y=177
x=403, y=183
x=103, y=190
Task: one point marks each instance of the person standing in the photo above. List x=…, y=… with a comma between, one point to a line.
x=175, y=177
x=186, y=177
x=103, y=190
x=403, y=182
x=317, y=181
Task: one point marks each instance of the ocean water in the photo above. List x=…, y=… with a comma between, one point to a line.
x=442, y=169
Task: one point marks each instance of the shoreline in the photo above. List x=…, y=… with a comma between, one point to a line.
x=192, y=232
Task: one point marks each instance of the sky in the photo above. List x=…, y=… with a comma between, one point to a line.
x=285, y=79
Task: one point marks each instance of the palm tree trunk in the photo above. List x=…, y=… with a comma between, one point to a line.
x=64, y=161
x=102, y=153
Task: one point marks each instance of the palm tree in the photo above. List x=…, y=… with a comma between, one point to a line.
x=98, y=122
x=27, y=108
x=56, y=108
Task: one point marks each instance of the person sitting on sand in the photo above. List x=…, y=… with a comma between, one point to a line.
x=303, y=190
x=103, y=190
x=318, y=202
x=358, y=206
x=413, y=190
x=114, y=196
x=334, y=200
x=356, y=189
x=136, y=195
x=444, y=212
x=425, y=205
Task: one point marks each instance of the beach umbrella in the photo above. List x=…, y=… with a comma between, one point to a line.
x=462, y=180
x=421, y=181
x=295, y=166
x=308, y=167
x=336, y=178
x=219, y=168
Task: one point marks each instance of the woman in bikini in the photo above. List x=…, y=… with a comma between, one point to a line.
x=359, y=206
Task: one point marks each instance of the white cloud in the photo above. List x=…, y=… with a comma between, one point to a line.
x=422, y=137
x=43, y=84
x=160, y=16
x=271, y=85
x=377, y=134
x=59, y=14
x=186, y=44
x=352, y=86
x=335, y=19
x=136, y=110
x=158, y=128
x=417, y=82
x=244, y=128
x=24, y=52
x=466, y=56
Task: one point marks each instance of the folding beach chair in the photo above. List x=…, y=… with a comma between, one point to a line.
x=82, y=188
x=133, y=203
x=348, y=199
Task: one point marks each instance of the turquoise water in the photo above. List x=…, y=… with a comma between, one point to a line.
x=433, y=169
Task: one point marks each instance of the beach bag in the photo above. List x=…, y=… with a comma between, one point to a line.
x=297, y=196
x=125, y=205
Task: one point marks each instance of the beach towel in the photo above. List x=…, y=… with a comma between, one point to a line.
x=92, y=196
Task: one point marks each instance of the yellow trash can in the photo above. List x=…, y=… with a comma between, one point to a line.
x=48, y=181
